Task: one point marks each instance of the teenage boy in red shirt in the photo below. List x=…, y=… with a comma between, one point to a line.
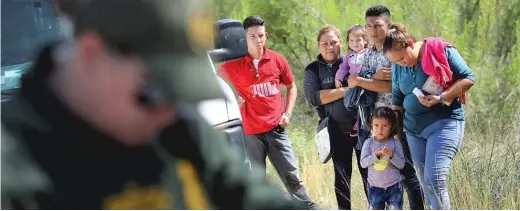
x=258, y=79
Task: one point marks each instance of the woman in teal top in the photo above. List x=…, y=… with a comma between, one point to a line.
x=434, y=127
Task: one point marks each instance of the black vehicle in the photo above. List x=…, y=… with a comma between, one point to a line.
x=26, y=25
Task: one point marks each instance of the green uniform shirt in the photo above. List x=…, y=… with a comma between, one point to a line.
x=53, y=160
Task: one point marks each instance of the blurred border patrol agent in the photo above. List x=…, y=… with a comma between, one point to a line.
x=77, y=135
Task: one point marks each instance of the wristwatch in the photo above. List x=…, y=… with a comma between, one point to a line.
x=287, y=115
x=442, y=99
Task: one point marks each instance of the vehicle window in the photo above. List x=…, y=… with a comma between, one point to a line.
x=26, y=26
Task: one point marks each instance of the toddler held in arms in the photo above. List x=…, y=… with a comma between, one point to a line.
x=357, y=39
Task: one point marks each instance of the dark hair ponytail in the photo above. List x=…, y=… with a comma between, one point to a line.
x=397, y=38
x=398, y=128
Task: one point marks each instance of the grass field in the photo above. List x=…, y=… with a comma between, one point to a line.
x=485, y=173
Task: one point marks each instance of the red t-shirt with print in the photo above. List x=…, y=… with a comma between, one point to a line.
x=264, y=104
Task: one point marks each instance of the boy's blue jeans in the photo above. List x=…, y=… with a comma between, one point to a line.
x=433, y=150
x=392, y=196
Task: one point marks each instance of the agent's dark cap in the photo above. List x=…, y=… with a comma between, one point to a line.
x=169, y=35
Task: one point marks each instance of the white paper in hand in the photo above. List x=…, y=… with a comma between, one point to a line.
x=323, y=144
x=418, y=92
